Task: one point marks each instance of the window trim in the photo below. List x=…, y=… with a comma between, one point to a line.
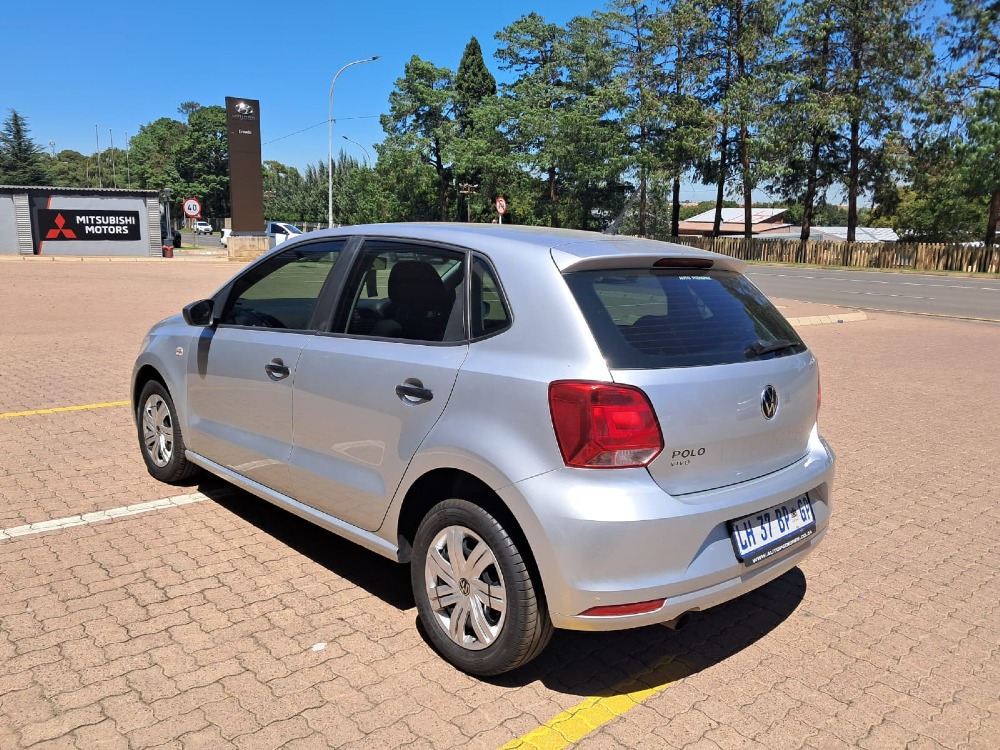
x=340, y=309
x=223, y=298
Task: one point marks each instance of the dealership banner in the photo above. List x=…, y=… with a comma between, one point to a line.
x=61, y=224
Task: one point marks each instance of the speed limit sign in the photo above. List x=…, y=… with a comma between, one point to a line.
x=192, y=208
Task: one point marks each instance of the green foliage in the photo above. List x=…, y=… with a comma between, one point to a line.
x=71, y=169
x=21, y=159
x=421, y=118
x=201, y=159
x=474, y=85
x=816, y=99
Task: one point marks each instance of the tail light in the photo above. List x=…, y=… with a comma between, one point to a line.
x=603, y=426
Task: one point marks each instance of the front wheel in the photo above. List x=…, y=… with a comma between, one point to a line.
x=474, y=592
x=160, y=436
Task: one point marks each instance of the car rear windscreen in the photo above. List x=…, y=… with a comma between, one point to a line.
x=651, y=318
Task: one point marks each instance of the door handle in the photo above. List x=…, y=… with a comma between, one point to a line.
x=276, y=369
x=412, y=393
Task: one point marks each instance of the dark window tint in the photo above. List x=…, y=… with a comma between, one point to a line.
x=489, y=312
x=282, y=292
x=649, y=318
x=405, y=291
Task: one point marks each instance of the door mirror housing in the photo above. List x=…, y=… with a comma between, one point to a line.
x=199, y=313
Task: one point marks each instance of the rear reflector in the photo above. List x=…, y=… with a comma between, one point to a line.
x=616, y=610
x=603, y=426
x=684, y=263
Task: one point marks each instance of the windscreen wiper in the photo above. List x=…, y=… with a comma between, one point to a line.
x=759, y=347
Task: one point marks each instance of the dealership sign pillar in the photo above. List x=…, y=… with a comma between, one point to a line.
x=246, y=180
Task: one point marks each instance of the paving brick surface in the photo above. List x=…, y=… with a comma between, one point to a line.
x=227, y=623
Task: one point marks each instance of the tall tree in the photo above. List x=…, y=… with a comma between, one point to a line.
x=202, y=159
x=980, y=157
x=474, y=84
x=153, y=153
x=973, y=32
x=555, y=115
x=21, y=159
x=70, y=168
x=683, y=32
x=475, y=92
x=746, y=35
x=631, y=25
x=810, y=114
x=882, y=57
x=421, y=117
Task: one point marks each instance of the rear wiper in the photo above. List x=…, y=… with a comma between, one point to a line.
x=758, y=348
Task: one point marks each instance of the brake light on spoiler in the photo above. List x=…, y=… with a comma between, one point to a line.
x=684, y=263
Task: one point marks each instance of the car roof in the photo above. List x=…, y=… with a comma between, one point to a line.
x=571, y=249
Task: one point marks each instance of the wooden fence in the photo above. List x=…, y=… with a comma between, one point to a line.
x=918, y=256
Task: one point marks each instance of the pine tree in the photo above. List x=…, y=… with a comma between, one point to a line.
x=474, y=84
x=20, y=157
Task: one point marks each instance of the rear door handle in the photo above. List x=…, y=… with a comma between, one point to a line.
x=276, y=369
x=414, y=393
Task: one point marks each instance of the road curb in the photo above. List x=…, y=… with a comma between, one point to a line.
x=815, y=320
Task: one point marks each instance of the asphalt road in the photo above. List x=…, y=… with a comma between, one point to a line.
x=872, y=290
x=202, y=240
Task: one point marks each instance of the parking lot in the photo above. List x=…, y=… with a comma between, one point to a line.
x=135, y=614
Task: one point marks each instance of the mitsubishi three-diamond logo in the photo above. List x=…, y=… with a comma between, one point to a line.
x=59, y=229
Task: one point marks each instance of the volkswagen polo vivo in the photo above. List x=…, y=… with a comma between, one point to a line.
x=552, y=428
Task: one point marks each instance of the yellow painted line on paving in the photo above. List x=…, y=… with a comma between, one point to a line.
x=57, y=409
x=573, y=725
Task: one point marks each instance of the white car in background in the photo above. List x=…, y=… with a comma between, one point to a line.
x=202, y=227
x=224, y=239
x=279, y=231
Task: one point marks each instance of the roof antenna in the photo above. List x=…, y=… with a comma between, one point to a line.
x=613, y=226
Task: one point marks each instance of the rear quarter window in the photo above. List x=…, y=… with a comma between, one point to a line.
x=654, y=318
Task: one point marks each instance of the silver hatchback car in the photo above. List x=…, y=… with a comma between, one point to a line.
x=553, y=428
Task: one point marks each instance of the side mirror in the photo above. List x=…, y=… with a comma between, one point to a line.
x=199, y=313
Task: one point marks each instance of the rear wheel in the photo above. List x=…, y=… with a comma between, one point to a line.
x=160, y=435
x=474, y=592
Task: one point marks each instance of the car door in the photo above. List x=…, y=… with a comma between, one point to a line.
x=240, y=376
x=367, y=393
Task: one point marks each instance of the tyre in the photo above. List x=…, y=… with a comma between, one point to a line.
x=474, y=591
x=160, y=436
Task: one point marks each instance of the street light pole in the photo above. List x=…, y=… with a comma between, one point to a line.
x=329, y=144
x=351, y=140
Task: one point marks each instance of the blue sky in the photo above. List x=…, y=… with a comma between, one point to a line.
x=116, y=65
x=119, y=65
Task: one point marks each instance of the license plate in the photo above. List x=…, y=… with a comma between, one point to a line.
x=760, y=535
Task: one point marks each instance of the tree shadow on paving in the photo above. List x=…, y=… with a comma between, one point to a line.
x=624, y=661
x=379, y=576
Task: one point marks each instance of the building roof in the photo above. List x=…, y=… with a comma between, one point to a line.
x=735, y=215
x=74, y=190
x=861, y=234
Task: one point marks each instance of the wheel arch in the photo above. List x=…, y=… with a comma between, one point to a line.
x=142, y=376
x=443, y=484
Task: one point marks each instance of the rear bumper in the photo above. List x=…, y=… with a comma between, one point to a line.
x=603, y=538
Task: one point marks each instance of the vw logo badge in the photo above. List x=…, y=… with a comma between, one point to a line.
x=769, y=402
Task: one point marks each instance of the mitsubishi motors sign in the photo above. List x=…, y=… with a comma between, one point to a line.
x=61, y=224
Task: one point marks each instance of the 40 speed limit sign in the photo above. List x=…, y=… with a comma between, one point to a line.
x=192, y=208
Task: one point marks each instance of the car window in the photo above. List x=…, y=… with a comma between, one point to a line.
x=649, y=318
x=405, y=291
x=282, y=291
x=489, y=310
